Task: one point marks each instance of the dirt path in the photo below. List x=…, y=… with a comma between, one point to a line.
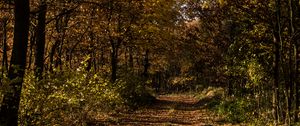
x=169, y=110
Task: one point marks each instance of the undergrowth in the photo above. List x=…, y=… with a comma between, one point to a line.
x=236, y=110
x=77, y=97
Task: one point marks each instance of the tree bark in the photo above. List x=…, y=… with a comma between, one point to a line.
x=59, y=62
x=297, y=96
x=32, y=40
x=297, y=66
x=11, y=100
x=131, y=65
x=52, y=54
x=276, y=80
x=278, y=43
x=146, y=64
x=292, y=66
x=40, y=44
x=101, y=60
x=4, y=60
x=114, y=60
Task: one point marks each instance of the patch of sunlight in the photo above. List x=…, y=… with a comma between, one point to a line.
x=167, y=124
x=171, y=111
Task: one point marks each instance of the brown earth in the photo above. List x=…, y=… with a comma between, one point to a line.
x=168, y=110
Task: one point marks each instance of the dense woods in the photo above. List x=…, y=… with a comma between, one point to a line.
x=65, y=61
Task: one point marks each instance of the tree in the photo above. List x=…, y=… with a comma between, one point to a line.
x=4, y=58
x=10, y=104
x=292, y=66
x=278, y=44
x=40, y=41
x=260, y=25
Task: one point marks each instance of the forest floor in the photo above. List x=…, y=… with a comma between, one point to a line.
x=168, y=110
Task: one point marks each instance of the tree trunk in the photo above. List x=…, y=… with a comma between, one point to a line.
x=10, y=105
x=52, y=54
x=292, y=66
x=297, y=66
x=114, y=62
x=131, y=59
x=277, y=42
x=101, y=59
x=146, y=64
x=4, y=60
x=297, y=96
x=59, y=62
x=94, y=61
x=40, y=44
x=90, y=60
x=32, y=41
x=4, y=43
x=276, y=82
x=61, y=25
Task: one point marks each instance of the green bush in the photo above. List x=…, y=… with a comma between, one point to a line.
x=236, y=110
x=69, y=97
x=133, y=90
x=72, y=97
x=66, y=98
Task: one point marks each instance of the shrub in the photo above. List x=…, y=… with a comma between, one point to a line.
x=75, y=97
x=133, y=90
x=236, y=110
x=66, y=98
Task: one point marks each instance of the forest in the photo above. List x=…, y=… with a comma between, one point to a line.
x=149, y=62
